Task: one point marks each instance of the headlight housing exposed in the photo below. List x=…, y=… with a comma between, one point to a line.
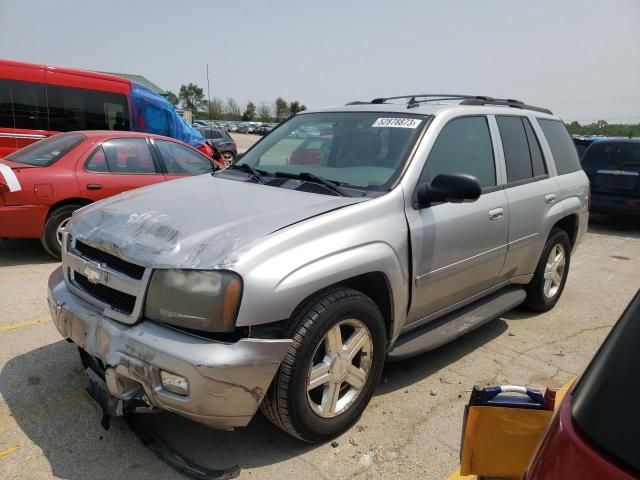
x=195, y=299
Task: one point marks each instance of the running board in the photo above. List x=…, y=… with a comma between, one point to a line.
x=456, y=324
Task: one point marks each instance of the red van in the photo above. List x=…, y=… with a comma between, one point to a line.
x=37, y=101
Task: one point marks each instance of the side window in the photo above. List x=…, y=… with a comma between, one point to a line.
x=516, y=148
x=537, y=160
x=23, y=105
x=129, y=156
x=562, y=149
x=181, y=160
x=97, y=162
x=80, y=109
x=6, y=105
x=463, y=146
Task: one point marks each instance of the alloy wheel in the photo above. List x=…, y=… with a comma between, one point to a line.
x=60, y=230
x=339, y=368
x=554, y=271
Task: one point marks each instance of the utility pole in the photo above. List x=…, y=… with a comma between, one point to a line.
x=208, y=94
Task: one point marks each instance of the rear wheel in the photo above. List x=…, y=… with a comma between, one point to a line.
x=551, y=273
x=52, y=237
x=332, y=368
x=228, y=159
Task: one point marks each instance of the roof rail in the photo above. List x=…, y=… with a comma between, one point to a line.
x=416, y=99
x=508, y=102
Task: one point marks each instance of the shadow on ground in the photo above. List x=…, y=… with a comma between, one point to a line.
x=44, y=392
x=399, y=375
x=622, y=226
x=23, y=252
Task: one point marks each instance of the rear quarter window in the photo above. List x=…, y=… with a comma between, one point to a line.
x=562, y=147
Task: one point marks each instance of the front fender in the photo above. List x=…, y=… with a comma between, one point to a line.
x=323, y=272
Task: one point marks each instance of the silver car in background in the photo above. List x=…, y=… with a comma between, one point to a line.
x=286, y=281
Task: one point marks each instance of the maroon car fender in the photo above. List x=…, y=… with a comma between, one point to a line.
x=565, y=454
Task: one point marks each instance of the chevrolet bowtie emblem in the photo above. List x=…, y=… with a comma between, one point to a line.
x=94, y=273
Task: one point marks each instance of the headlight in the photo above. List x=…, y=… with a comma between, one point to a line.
x=196, y=299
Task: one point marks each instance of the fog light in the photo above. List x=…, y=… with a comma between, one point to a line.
x=174, y=383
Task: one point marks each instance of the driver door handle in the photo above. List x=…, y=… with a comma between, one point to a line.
x=93, y=186
x=496, y=214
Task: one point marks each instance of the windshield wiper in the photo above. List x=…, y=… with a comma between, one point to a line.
x=254, y=173
x=310, y=177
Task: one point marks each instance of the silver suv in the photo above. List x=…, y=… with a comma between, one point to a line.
x=285, y=282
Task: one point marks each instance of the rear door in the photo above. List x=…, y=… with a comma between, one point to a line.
x=180, y=161
x=531, y=193
x=116, y=166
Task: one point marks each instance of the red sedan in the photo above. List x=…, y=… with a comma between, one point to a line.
x=42, y=184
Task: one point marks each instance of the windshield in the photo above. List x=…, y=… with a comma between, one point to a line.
x=45, y=152
x=613, y=155
x=363, y=150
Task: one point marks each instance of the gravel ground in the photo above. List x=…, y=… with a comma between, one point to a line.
x=411, y=429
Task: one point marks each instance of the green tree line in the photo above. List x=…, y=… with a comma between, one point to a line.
x=601, y=127
x=191, y=97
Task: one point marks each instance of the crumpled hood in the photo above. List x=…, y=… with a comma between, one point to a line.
x=198, y=222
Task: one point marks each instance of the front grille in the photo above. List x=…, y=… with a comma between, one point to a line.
x=123, y=302
x=111, y=261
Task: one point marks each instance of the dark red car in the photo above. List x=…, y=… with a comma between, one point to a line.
x=42, y=184
x=595, y=435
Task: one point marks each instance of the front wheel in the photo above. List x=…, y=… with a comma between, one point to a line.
x=332, y=368
x=551, y=273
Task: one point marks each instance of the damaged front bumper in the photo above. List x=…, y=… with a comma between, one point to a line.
x=227, y=381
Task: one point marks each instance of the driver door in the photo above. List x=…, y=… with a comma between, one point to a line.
x=458, y=248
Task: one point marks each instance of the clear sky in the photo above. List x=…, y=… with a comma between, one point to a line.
x=581, y=58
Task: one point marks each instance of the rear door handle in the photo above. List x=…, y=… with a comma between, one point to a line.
x=93, y=186
x=496, y=214
x=550, y=198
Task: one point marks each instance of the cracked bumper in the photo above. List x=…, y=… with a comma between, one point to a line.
x=227, y=381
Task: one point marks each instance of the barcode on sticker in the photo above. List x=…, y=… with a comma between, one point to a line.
x=397, y=122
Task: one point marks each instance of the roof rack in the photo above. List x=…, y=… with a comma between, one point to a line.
x=417, y=99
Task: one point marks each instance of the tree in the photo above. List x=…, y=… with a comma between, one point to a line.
x=295, y=107
x=602, y=127
x=191, y=97
x=232, y=109
x=264, y=113
x=281, y=109
x=216, y=108
x=172, y=98
x=249, y=112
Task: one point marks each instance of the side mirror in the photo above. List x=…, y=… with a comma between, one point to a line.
x=449, y=187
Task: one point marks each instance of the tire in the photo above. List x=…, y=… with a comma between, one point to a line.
x=56, y=217
x=289, y=405
x=539, y=298
x=229, y=159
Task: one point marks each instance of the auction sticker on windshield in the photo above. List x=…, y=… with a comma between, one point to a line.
x=397, y=122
